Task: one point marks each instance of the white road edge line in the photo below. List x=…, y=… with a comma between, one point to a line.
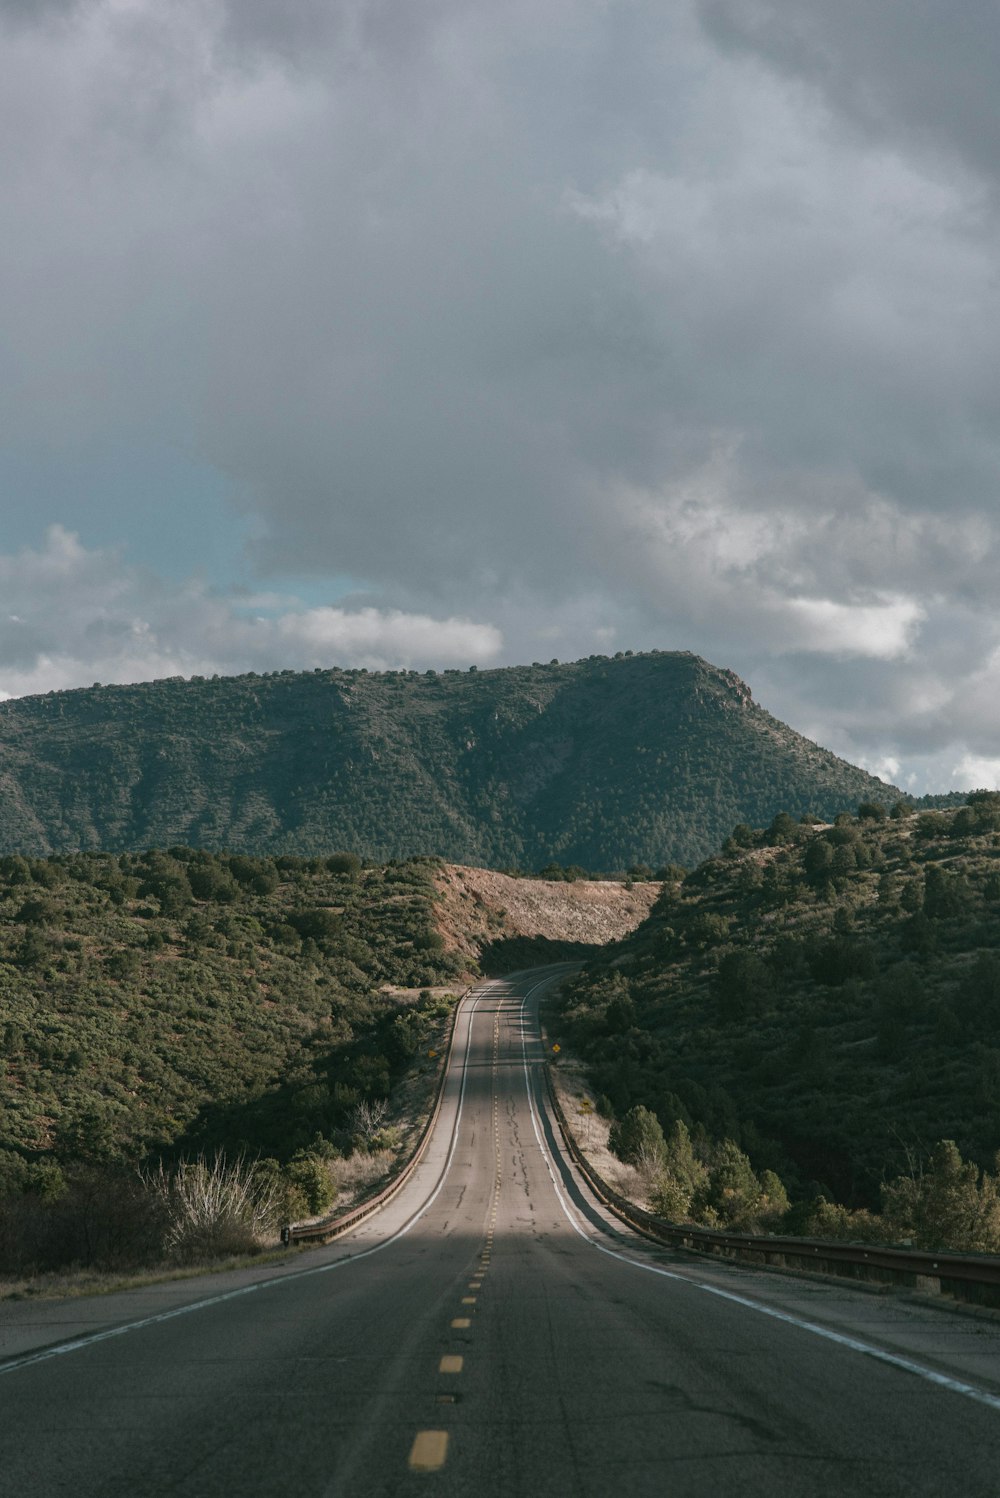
x=76, y=1343
x=867, y=1349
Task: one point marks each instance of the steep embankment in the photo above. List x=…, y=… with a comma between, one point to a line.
x=602, y=763
x=501, y=922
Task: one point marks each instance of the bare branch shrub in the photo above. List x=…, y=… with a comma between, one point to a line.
x=215, y=1207
x=367, y=1118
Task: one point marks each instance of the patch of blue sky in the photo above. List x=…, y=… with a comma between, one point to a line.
x=291, y=594
x=163, y=509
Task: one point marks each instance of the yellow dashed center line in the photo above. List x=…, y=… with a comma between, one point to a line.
x=429, y=1450
x=498, y=1175
x=430, y=1447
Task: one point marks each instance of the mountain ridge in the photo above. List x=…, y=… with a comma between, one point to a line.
x=602, y=762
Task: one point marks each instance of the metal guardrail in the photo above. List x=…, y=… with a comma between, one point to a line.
x=332, y=1227
x=970, y=1277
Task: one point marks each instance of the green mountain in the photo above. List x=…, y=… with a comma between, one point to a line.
x=602, y=762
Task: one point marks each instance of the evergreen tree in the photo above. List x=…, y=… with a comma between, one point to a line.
x=946, y=1204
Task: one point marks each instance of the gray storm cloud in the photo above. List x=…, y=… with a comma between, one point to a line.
x=923, y=75
x=559, y=328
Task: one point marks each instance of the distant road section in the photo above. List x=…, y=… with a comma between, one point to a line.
x=494, y=1333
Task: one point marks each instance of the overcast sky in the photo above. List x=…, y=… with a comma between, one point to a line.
x=366, y=333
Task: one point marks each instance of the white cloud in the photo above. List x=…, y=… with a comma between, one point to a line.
x=389, y=636
x=706, y=551
x=884, y=630
x=886, y=767
x=86, y=615
x=976, y=773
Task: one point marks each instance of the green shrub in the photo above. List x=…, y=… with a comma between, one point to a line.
x=637, y=1139
x=948, y=1204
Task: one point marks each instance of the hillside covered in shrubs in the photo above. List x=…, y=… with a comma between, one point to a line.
x=602, y=763
x=151, y=999
x=169, y=1006
x=825, y=997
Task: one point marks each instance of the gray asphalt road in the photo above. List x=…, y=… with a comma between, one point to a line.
x=493, y=1333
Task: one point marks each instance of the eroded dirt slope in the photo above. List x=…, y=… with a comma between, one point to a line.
x=480, y=908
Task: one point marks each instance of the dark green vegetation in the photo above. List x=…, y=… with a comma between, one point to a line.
x=169, y=1004
x=601, y=763
x=828, y=998
x=713, y=1184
